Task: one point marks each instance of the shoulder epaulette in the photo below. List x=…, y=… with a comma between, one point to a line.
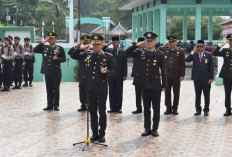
x=108, y=53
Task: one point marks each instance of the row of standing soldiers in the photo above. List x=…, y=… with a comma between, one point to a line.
x=16, y=61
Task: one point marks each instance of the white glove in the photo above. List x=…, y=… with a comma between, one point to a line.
x=15, y=53
x=3, y=56
x=26, y=53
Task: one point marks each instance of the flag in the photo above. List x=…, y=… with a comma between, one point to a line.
x=13, y=22
x=21, y=23
x=53, y=29
x=119, y=29
x=33, y=22
x=69, y=3
x=43, y=30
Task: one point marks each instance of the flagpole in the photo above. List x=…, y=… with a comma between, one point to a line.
x=71, y=27
x=43, y=30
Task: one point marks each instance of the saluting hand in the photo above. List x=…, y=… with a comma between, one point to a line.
x=195, y=48
x=78, y=45
x=45, y=40
x=85, y=47
x=139, y=44
x=165, y=45
x=224, y=43
x=109, y=44
x=104, y=70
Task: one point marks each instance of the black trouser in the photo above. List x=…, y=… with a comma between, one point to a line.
x=115, y=92
x=28, y=69
x=7, y=73
x=1, y=76
x=83, y=97
x=151, y=96
x=18, y=70
x=202, y=85
x=227, y=89
x=175, y=84
x=97, y=102
x=138, y=95
x=53, y=90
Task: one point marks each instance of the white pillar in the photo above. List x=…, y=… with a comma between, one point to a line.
x=71, y=27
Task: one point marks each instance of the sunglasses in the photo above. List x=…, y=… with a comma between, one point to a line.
x=201, y=46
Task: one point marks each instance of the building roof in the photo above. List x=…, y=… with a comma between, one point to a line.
x=133, y=4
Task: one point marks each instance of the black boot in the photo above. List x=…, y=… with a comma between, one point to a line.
x=227, y=113
x=25, y=84
x=30, y=84
x=137, y=111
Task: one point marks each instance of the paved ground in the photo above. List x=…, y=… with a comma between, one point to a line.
x=27, y=131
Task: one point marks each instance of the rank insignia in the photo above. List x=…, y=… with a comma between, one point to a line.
x=154, y=64
x=155, y=61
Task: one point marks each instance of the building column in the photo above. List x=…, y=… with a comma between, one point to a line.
x=210, y=28
x=185, y=26
x=144, y=23
x=134, y=37
x=149, y=21
x=156, y=23
x=198, y=23
x=163, y=22
x=138, y=26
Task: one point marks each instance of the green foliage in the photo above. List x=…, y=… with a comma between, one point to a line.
x=177, y=27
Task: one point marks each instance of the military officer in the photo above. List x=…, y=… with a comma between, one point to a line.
x=147, y=76
x=7, y=56
x=202, y=75
x=100, y=65
x=116, y=81
x=19, y=54
x=29, y=60
x=53, y=55
x=175, y=68
x=226, y=71
x=81, y=68
x=138, y=91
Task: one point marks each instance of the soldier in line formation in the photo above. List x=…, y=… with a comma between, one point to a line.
x=13, y=58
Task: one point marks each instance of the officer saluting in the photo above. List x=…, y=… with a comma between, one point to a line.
x=18, y=68
x=81, y=68
x=53, y=55
x=226, y=71
x=100, y=65
x=116, y=82
x=175, y=67
x=147, y=76
x=7, y=56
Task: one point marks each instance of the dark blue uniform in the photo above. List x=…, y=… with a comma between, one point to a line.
x=116, y=81
x=202, y=72
x=95, y=84
x=52, y=70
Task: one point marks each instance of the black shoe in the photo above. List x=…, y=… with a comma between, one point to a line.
x=137, y=111
x=119, y=111
x=56, y=108
x=82, y=109
x=111, y=111
x=197, y=113
x=48, y=108
x=147, y=132
x=206, y=113
x=155, y=133
x=227, y=113
x=0, y=87
x=94, y=137
x=18, y=87
x=25, y=85
x=30, y=85
x=4, y=90
x=168, y=111
x=11, y=85
x=7, y=89
x=102, y=139
x=15, y=87
x=175, y=112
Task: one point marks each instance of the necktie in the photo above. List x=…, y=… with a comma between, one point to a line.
x=200, y=56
